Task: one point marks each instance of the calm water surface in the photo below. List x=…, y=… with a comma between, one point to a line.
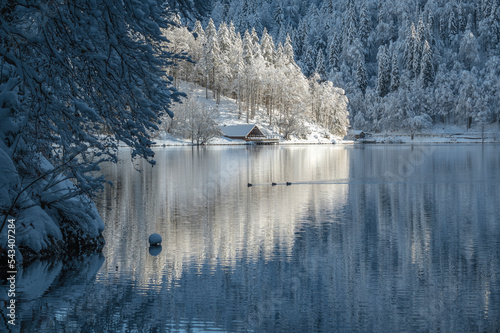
x=382, y=238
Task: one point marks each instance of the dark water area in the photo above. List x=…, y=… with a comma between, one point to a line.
x=364, y=238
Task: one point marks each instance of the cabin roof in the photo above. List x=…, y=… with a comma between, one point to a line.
x=240, y=130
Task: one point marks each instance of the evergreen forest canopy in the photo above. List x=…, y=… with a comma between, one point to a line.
x=404, y=64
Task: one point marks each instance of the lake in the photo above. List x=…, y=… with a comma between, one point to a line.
x=363, y=238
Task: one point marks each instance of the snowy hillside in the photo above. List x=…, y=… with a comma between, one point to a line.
x=226, y=113
x=404, y=65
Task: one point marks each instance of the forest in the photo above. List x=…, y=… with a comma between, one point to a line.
x=257, y=74
x=404, y=65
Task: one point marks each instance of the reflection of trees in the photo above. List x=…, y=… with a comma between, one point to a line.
x=418, y=255
x=48, y=294
x=199, y=201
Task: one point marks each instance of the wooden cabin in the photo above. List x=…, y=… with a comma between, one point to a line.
x=247, y=132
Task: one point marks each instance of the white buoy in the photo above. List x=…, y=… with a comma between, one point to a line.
x=154, y=239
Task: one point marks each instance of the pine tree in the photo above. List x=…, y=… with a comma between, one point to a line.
x=300, y=39
x=443, y=27
x=422, y=31
x=224, y=39
x=320, y=65
x=427, y=73
x=308, y=61
x=211, y=54
x=279, y=17
x=255, y=43
x=349, y=24
x=361, y=77
x=485, y=8
x=364, y=23
x=462, y=17
x=452, y=23
x=198, y=31
x=247, y=48
x=469, y=50
x=288, y=51
x=417, y=51
x=384, y=71
x=395, y=73
x=410, y=46
x=334, y=51
x=267, y=46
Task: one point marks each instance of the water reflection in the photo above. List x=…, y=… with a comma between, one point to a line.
x=198, y=200
x=372, y=238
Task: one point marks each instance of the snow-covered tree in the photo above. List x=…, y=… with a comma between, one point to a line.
x=384, y=71
x=403, y=27
x=335, y=51
x=395, y=80
x=81, y=77
x=410, y=46
x=427, y=67
x=195, y=121
x=267, y=45
x=453, y=23
x=361, y=76
x=320, y=65
x=349, y=24
x=469, y=50
x=211, y=56
x=364, y=23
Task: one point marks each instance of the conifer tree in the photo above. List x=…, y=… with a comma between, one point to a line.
x=395, y=73
x=320, y=65
x=288, y=51
x=452, y=23
x=308, y=61
x=364, y=23
x=334, y=51
x=349, y=24
x=427, y=73
x=462, y=17
x=361, y=75
x=279, y=17
x=410, y=48
x=247, y=48
x=384, y=71
x=198, y=31
x=267, y=46
x=211, y=55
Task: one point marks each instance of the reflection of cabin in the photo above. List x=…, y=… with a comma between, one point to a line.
x=247, y=132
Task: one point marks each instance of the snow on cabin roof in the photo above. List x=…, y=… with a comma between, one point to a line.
x=239, y=130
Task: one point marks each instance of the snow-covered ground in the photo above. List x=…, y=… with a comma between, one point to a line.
x=437, y=134
x=228, y=115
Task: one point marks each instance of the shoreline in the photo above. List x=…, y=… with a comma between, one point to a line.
x=377, y=138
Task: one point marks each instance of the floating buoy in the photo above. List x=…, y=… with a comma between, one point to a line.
x=154, y=240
